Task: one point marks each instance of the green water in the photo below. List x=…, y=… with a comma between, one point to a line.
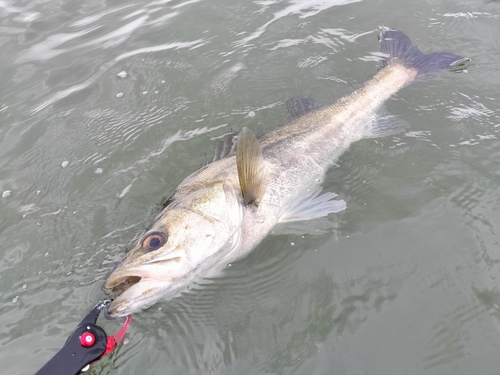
x=106, y=106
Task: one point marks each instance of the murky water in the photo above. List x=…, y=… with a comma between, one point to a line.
x=106, y=106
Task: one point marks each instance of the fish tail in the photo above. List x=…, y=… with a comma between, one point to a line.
x=402, y=51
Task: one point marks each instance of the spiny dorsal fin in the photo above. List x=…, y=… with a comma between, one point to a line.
x=298, y=107
x=224, y=145
x=250, y=163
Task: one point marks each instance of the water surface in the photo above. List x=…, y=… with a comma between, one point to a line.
x=107, y=105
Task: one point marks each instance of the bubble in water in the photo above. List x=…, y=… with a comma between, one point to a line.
x=64, y=164
x=6, y=193
x=145, y=92
x=99, y=170
x=163, y=81
x=122, y=74
x=292, y=243
x=119, y=95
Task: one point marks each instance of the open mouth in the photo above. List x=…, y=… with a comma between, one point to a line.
x=121, y=285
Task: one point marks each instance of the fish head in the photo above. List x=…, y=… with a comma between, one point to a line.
x=200, y=226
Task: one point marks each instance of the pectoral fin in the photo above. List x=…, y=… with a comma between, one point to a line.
x=311, y=205
x=307, y=213
x=251, y=171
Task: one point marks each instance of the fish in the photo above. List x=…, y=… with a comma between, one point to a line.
x=221, y=212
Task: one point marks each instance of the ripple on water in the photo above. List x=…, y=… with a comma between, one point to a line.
x=423, y=207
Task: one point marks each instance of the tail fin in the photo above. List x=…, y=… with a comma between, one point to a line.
x=401, y=50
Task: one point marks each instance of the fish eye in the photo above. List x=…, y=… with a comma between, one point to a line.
x=153, y=241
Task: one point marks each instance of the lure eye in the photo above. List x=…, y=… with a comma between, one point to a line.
x=154, y=241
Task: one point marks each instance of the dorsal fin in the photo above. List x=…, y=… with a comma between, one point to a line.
x=251, y=171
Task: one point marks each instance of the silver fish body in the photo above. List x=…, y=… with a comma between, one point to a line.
x=221, y=212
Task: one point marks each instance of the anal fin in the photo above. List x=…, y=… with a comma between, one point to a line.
x=384, y=124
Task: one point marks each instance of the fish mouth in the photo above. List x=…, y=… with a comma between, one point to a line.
x=135, y=288
x=132, y=294
x=124, y=291
x=120, y=285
